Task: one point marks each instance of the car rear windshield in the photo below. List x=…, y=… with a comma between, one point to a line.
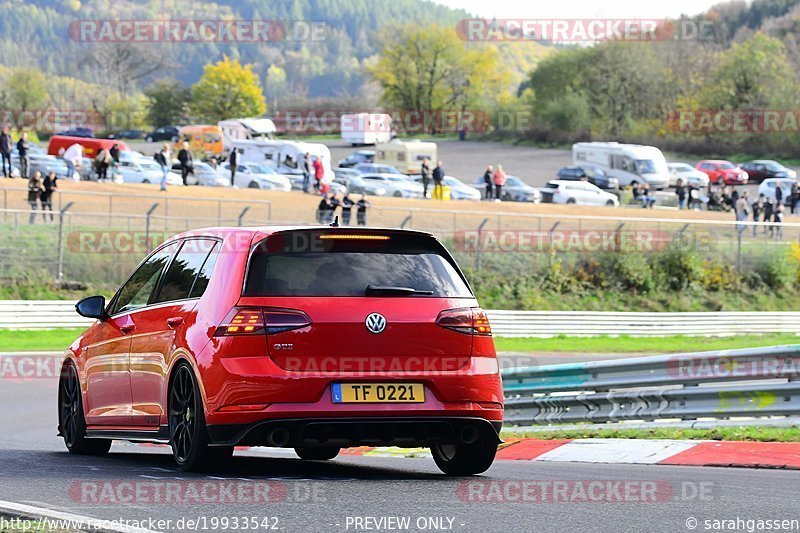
x=314, y=264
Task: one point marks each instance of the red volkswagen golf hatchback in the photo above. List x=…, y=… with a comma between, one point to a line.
x=312, y=338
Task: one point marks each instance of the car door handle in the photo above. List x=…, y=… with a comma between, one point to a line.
x=127, y=328
x=174, y=322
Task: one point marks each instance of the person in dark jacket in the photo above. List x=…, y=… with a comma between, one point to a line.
x=49, y=186
x=186, y=160
x=361, y=214
x=233, y=162
x=322, y=209
x=488, y=176
x=778, y=194
x=6, y=144
x=164, y=160
x=24, y=158
x=347, y=208
x=757, y=208
x=438, y=178
x=425, y=172
x=680, y=192
x=769, y=209
x=34, y=194
x=794, y=197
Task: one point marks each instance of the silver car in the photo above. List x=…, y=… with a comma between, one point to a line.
x=515, y=190
x=397, y=185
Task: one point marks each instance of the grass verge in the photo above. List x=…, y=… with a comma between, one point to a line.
x=50, y=340
x=625, y=344
x=741, y=433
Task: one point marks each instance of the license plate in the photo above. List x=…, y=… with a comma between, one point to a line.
x=378, y=393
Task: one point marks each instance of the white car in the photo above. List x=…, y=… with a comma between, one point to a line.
x=579, y=193
x=137, y=168
x=687, y=173
x=769, y=185
x=458, y=189
x=255, y=176
x=204, y=174
x=397, y=185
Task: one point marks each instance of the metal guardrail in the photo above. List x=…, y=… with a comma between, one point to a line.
x=45, y=314
x=759, y=382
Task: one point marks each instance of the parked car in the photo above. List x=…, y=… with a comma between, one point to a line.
x=458, y=189
x=515, y=190
x=722, y=172
x=397, y=185
x=357, y=157
x=355, y=184
x=137, y=168
x=80, y=131
x=762, y=169
x=769, y=185
x=591, y=173
x=128, y=134
x=164, y=133
x=43, y=163
x=373, y=168
x=204, y=174
x=228, y=329
x=687, y=173
x=255, y=176
x=578, y=193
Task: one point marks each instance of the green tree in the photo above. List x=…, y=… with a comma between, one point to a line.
x=167, y=102
x=430, y=69
x=27, y=89
x=227, y=89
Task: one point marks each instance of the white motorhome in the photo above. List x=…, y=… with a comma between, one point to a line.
x=629, y=163
x=407, y=156
x=366, y=128
x=246, y=128
x=286, y=157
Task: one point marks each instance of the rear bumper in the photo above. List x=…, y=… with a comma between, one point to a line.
x=405, y=432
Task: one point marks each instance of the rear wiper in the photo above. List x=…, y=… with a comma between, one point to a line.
x=388, y=290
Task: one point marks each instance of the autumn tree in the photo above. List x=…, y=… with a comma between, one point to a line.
x=227, y=89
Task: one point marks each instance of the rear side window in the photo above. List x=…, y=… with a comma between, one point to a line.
x=309, y=264
x=185, y=270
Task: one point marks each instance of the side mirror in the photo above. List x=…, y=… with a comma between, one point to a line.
x=92, y=307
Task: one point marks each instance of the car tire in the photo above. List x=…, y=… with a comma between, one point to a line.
x=465, y=459
x=397, y=194
x=570, y=200
x=253, y=185
x=317, y=454
x=146, y=182
x=610, y=203
x=148, y=139
x=71, y=422
x=188, y=435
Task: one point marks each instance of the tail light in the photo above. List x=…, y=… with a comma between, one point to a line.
x=469, y=320
x=257, y=321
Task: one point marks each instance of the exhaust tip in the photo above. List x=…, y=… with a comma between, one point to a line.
x=279, y=437
x=469, y=434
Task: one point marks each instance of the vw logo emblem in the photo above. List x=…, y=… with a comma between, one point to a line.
x=375, y=322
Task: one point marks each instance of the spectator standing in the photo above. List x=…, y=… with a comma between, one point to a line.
x=438, y=178
x=778, y=217
x=488, y=176
x=164, y=160
x=361, y=213
x=307, y=168
x=34, y=194
x=499, y=179
x=49, y=186
x=347, y=208
x=24, y=159
x=769, y=210
x=322, y=208
x=186, y=159
x=680, y=192
x=73, y=157
x=741, y=209
x=794, y=197
x=5, y=151
x=334, y=203
x=425, y=172
x=757, y=208
x=233, y=163
x=102, y=162
x=778, y=194
x=319, y=172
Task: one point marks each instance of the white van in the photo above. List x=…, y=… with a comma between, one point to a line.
x=245, y=128
x=407, y=156
x=366, y=128
x=286, y=157
x=629, y=163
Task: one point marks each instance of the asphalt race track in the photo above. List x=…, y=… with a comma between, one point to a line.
x=339, y=495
